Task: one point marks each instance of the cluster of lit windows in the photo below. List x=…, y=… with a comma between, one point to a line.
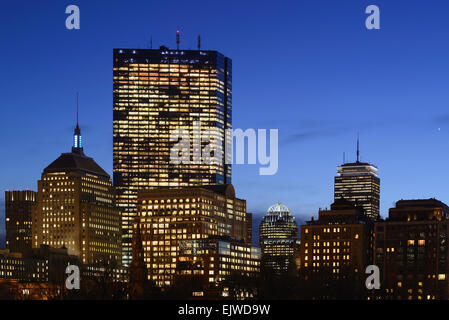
x=318, y=251
x=89, y=228
x=205, y=253
x=18, y=218
x=27, y=270
x=164, y=226
x=278, y=237
x=414, y=253
x=360, y=186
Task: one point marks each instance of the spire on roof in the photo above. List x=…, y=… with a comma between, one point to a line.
x=77, y=98
x=358, y=150
x=77, y=139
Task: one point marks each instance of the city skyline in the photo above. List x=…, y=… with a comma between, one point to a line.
x=409, y=98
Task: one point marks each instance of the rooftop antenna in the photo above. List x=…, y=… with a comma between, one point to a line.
x=199, y=42
x=151, y=42
x=177, y=39
x=344, y=157
x=77, y=143
x=77, y=98
x=358, y=150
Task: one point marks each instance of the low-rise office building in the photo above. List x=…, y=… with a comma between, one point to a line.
x=215, y=260
x=335, y=251
x=169, y=216
x=411, y=251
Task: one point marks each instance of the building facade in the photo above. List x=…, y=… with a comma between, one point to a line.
x=214, y=260
x=18, y=215
x=411, y=251
x=76, y=208
x=336, y=249
x=278, y=239
x=169, y=216
x=12, y=265
x=36, y=265
x=155, y=93
x=359, y=183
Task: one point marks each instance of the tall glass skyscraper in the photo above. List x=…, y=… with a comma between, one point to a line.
x=158, y=91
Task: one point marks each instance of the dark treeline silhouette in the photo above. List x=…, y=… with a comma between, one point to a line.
x=269, y=285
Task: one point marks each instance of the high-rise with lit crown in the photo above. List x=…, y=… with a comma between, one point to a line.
x=359, y=183
x=155, y=92
x=76, y=208
x=278, y=239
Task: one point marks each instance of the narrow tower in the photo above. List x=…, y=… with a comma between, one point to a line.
x=138, y=273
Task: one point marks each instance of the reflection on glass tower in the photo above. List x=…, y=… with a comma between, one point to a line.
x=157, y=91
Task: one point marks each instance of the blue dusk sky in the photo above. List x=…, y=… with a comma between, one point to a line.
x=308, y=68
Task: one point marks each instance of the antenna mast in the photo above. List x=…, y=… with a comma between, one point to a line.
x=77, y=98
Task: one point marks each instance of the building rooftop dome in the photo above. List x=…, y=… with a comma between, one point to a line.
x=278, y=209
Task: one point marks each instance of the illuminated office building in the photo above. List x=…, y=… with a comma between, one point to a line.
x=358, y=182
x=278, y=239
x=168, y=216
x=156, y=92
x=18, y=211
x=411, y=251
x=337, y=248
x=215, y=259
x=36, y=265
x=12, y=265
x=76, y=208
